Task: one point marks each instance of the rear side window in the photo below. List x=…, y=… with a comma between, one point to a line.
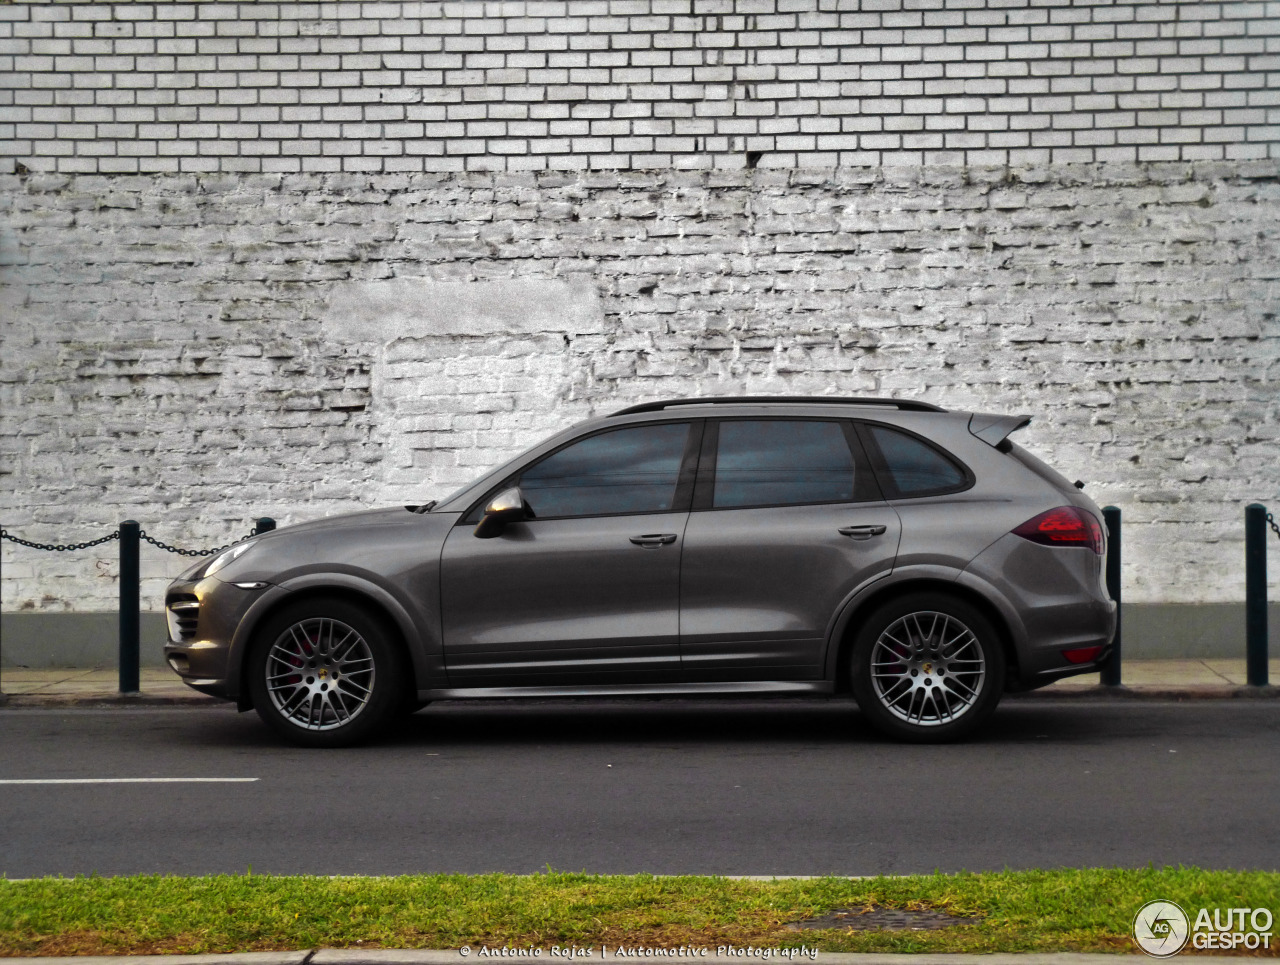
x=781, y=463
x=632, y=470
x=912, y=467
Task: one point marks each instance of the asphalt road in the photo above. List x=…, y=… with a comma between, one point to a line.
x=667, y=787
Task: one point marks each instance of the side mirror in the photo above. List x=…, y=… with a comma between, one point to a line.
x=506, y=507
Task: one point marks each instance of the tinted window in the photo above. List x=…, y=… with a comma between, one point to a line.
x=631, y=470
x=914, y=467
x=778, y=463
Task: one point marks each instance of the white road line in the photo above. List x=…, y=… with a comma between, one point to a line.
x=133, y=780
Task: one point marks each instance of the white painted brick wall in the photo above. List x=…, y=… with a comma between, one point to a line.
x=190, y=350
x=201, y=187
x=259, y=87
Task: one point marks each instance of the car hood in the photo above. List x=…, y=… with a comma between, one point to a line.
x=371, y=541
x=358, y=520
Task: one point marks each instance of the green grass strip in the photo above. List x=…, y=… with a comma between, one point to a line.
x=1066, y=910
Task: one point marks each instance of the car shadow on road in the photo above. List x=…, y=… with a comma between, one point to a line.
x=728, y=720
x=737, y=721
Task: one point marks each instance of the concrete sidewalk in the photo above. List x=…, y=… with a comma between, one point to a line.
x=1156, y=679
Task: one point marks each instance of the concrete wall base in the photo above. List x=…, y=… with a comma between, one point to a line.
x=1152, y=631
x=88, y=640
x=1168, y=631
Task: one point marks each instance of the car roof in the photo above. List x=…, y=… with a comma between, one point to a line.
x=908, y=405
x=893, y=411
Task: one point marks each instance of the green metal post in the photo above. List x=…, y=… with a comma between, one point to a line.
x=3, y=697
x=130, y=605
x=1255, y=594
x=264, y=524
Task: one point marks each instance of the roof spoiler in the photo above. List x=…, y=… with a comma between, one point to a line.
x=994, y=429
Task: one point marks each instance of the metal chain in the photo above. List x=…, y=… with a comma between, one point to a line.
x=59, y=547
x=142, y=535
x=1275, y=528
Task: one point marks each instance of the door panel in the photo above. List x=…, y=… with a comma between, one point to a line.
x=760, y=586
x=564, y=601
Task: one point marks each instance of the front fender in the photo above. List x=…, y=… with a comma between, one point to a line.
x=418, y=634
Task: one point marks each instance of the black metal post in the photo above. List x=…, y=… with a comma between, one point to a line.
x=265, y=524
x=3, y=697
x=1255, y=594
x=1111, y=515
x=130, y=605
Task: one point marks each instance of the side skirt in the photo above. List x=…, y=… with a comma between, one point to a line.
x=745, y=688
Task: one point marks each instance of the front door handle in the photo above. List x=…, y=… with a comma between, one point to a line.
x=654, y=539
x=862, y=532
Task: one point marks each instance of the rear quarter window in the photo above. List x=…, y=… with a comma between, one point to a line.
x=908, y=465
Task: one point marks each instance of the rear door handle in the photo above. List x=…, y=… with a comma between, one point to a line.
x=862, y=532
x=654, y=539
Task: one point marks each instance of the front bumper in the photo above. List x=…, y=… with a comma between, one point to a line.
x=204, y=617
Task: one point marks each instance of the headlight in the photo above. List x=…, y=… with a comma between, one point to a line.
x=232, y=554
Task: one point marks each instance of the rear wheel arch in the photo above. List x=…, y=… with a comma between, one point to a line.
x=948, y=590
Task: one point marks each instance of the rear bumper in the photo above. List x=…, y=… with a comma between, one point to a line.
x=1052, y=599
x=1022, y=682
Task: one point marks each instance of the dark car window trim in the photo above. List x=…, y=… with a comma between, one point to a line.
x=865, y=487
x=866, y=482
x=684, y=481
x=704, y=488
x=885, y=476
x=688, y=467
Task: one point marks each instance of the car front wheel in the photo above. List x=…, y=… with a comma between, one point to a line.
x=927, y=668
x=325, y=674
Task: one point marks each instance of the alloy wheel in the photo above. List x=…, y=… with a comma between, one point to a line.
x=320, y=674
x=928, y=668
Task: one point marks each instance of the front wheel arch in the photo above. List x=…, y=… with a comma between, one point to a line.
x=325, y=673
x=316, y=593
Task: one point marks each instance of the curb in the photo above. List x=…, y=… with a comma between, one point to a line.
x=69, y=701
x=1153, y=692
x=392, y=956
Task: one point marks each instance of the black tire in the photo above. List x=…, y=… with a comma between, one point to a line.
x=326, y=673
x=927, y=668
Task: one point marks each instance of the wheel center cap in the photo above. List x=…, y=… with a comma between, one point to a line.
x=928, y=668
x=323, y=673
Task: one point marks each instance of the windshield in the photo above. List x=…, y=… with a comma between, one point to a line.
x=435, y=504
x=492, y=475
x=508, y=466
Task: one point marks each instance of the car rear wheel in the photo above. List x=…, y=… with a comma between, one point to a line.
x=325, y=674
x=927, y=668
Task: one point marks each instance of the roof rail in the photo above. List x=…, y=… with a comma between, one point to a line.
x=904, y=404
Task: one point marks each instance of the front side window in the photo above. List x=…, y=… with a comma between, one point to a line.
x=631, y=470
x=781, y=463
x=913, y=467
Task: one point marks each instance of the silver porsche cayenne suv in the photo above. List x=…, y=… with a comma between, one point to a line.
x=912, y=557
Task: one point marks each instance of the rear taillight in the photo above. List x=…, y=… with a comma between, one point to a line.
x=1064, y=526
